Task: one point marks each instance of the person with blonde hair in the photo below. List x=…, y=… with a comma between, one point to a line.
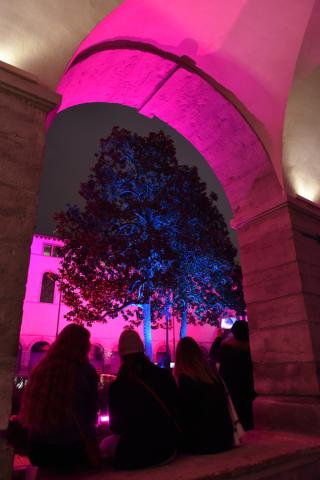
x=205, y=420
x=59, y=405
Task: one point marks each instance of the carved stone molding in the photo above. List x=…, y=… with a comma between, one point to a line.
x=26, y=87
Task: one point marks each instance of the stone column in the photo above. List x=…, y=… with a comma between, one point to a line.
x=24, y=105
x=280, y=257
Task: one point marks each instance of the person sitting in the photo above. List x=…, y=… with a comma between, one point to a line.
x=142, y=410
x=59, y=404
x=205, y=420
x=237, y=372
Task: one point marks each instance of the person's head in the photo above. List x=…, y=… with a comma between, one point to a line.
x=240, y=330
x=72, y=344
x=190, y=361
x=48, y=398
x=129, y=342
x=131, y=351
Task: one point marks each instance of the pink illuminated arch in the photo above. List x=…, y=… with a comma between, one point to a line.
x=171, y=75
x=182, y=98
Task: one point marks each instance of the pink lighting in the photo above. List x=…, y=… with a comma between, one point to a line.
x=41, y=321
x=103, y=419
x=167, y=59
x=241, y=44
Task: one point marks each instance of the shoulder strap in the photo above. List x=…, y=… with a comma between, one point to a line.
x=160, y=402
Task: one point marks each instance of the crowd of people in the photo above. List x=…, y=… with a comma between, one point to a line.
x=153, y=413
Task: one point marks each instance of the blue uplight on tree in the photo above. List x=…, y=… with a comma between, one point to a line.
x=149, y=240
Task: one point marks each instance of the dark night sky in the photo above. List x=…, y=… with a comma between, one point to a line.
x=72, y=141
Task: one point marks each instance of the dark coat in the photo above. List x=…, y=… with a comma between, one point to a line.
x=65, y=447
x=236, y=370
x=205, y=420
x=148, y=434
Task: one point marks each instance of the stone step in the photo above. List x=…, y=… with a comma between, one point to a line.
x=263, y=456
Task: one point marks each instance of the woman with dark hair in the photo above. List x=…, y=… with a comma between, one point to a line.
x=59, y=405
x=142, y=408
x=205, y=420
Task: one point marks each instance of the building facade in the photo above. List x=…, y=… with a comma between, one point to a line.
x=44, y=317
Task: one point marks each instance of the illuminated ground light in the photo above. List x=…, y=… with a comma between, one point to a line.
x=102, y=419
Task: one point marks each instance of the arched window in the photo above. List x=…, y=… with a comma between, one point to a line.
x=47, y=288
x=37, y=353
x=161, y=356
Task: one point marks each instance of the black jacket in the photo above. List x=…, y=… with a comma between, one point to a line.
x=237, y=372
x=147, y=433
x=205, y=420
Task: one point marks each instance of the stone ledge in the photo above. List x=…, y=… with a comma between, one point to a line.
x=22, y=84
x=264, y=455
x=292, y=413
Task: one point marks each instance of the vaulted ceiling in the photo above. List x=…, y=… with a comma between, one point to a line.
x=40, y=36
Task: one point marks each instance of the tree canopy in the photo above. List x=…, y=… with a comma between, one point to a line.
x=148, y=231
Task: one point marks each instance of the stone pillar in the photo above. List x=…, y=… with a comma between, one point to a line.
x=280, y=258
x=24, y=105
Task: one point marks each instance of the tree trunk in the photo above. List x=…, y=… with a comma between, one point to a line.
x=146, y=307
x=167, y=315
x=184, y=322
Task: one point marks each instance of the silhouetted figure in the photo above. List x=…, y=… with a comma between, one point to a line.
x=59, y=405
x=236, y=370
x=142, y=408
x=205, y=419
x=214, y=352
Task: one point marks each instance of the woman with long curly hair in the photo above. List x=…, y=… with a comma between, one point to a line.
x=205, y=420
x=59, y=405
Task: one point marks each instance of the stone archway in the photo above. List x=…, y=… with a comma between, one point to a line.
x=282, y=287
x=265, y=217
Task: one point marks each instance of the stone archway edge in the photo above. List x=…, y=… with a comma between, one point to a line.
x=181, y=61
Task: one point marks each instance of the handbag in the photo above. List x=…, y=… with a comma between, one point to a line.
x=238, y=430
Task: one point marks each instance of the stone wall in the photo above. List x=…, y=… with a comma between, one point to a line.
x=23, y=108
x=280, y=257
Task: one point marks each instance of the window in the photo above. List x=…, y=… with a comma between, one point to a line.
x=47, y=250
x=37, y=353
x=47, y=288
x=51, y=250
x=56, y=251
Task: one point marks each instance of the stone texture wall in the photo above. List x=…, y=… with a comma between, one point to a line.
x=280, y=257
x=23, y=108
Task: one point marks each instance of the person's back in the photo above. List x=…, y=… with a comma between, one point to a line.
x=60, y=402
x=205, y=420
x=147, y=432
x=142, y=407
x=236, y=370
x=64, y=445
